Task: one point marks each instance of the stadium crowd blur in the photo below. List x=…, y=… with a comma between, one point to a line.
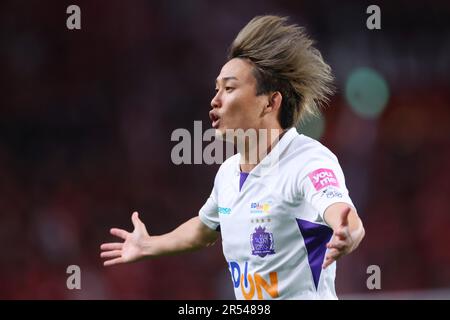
x=86, y=118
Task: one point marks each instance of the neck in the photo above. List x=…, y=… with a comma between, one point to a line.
x=255, y=147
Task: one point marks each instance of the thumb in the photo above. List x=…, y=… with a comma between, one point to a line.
x=135, y=219
x=344, y=216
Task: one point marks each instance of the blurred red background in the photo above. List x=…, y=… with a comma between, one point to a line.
x=86, y=118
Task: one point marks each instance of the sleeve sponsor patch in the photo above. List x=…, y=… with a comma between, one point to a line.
x=322, y=178
x=331, y=192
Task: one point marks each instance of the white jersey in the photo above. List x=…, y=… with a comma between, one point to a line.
x=273, y=232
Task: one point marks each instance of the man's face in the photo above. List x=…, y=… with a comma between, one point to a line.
x=235, y=105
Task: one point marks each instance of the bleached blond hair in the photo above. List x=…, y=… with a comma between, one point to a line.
x=285, y=60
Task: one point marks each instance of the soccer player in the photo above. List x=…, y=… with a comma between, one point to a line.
x=286, y=217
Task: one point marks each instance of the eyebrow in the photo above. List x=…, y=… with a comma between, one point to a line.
x=225, y=79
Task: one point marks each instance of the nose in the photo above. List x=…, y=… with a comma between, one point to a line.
x=215, y=102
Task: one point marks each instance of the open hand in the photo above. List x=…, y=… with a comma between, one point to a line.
x=130, y=249
x=341, y=242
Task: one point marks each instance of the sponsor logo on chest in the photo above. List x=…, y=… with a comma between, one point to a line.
x=260, y=207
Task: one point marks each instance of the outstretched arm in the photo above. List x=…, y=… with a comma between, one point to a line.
x=348, y=231
x=137, y=245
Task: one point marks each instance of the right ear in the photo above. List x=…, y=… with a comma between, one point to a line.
x=274, y=102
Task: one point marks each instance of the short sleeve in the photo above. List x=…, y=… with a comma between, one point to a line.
x=209, y=213
x=323, y=183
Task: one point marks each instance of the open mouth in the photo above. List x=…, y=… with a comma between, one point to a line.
x=214, y=119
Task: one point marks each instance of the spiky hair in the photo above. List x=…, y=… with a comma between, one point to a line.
x=285, y=60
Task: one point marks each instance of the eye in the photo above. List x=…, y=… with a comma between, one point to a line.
x=229, y=89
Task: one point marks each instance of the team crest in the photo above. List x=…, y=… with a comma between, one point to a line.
x=262, y=242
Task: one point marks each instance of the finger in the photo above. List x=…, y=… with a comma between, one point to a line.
x=341, y=233
x=138, y=224
x=339, y=245
x=111, y=254
x=135, y=219
x=327, y=262
x=113, y=262
x=119, y=233
x=111, y=246
x=333, y=254
x=344, y=216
